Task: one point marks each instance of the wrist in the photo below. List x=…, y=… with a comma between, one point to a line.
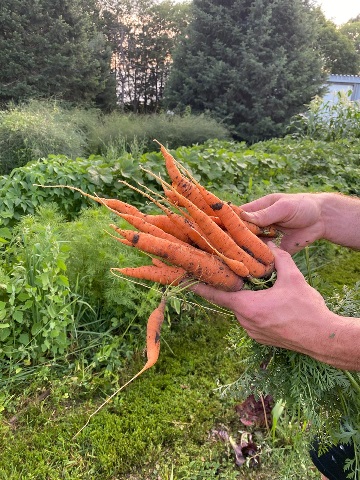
x=340, y=217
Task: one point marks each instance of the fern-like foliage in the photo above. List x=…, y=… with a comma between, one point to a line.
x=327, y=398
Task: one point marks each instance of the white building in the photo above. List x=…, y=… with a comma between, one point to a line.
x=347, y=84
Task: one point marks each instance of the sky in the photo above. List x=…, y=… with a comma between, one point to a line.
x=340, y=11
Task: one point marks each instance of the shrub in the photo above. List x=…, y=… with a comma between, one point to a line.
x=126, y=129
x=39, y=128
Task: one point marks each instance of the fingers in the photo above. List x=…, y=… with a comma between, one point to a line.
x=275, y=213
x=213, y=295
x=261, y=203
x=285, y=266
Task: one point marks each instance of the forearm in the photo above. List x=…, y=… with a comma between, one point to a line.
x=338, y=342
x=341, y=217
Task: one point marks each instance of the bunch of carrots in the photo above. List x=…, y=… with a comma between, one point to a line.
x=198, y=237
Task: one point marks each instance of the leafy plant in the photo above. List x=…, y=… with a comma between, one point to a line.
x=330, y=121
x=36, y=305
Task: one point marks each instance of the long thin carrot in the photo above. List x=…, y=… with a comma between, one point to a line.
x=141, y=224
x=187, y=188
x=165, y=275
x=167, y=225
x=201, y=265
x=237, y=267
x=154, y=323
x=111, y=203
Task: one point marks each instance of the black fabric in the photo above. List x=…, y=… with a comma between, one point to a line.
x=332, y=463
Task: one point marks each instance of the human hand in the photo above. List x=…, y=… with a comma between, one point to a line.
x=291, y=314
x=298, y=216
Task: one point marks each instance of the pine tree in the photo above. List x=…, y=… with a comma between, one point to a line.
x=251, y=63
x=52, y=49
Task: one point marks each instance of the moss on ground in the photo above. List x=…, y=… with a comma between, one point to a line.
x=343, y=268
x=161, y=421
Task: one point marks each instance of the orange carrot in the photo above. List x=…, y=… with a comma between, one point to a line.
x=269, y=231
x=167, y=225
x=176, y=202
x=201, y=265
x=181, y=183
x=165, y=275
x=153, y=334
x=112, y=204
x=154, y=323
x=159, y=272
x=146, y=227
x=237, y=267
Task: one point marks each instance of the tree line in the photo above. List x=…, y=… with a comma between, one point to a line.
x=251, y=64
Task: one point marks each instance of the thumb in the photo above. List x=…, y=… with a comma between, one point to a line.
x=267, y=216
x=284, y=265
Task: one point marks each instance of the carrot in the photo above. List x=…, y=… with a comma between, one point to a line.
x=112, y=204
x=176, y=202
x=146, y=227
x=269, y=231
x=167, y=225
x=181, y=183
x=237, y=267
x=201, y=265
x=173, y=171
x=225, y=244
x=182, y=224
x=154, y=323
x=153, y=334
x=164, y=274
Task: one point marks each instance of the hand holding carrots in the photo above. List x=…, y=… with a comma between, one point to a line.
x=292, y=315
x=298, y=216
x=306, y=217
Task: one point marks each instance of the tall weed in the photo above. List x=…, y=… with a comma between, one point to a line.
x=118, y=129
x=37, y=129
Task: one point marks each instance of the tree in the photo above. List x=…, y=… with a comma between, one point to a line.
x=351, y=30
x=251, y=63
x=53, y=50
x=337, y=48
x=143, y=35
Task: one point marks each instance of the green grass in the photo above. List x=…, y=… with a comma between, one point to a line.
x=342, y=269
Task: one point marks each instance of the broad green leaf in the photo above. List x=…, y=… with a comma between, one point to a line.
x=18, y=315
x=24, y=338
